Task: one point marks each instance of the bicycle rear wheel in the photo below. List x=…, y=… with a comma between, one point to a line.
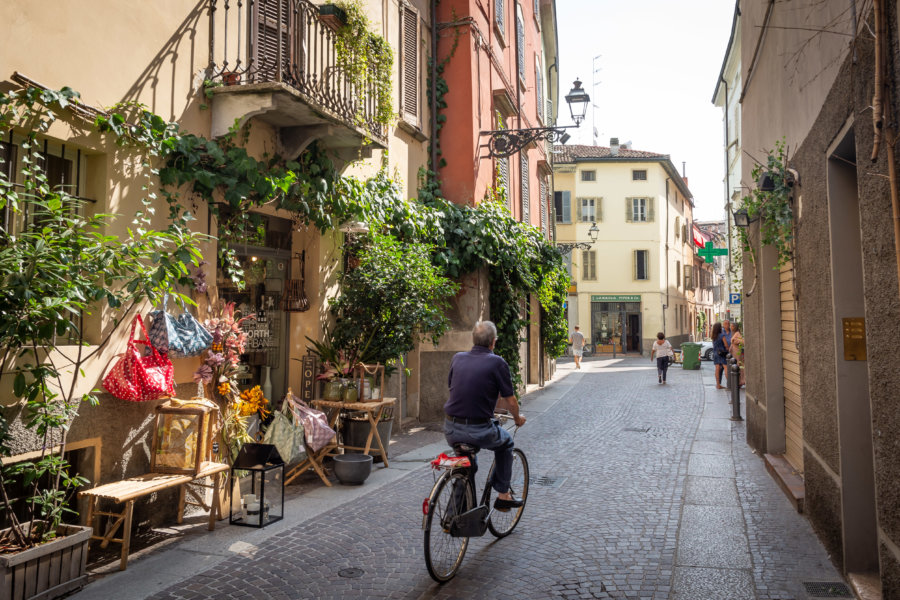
x=502, y=524
x=443, y=552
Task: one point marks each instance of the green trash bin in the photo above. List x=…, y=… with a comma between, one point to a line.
x=690, y=355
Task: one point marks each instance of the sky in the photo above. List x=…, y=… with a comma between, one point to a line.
x=658, y=64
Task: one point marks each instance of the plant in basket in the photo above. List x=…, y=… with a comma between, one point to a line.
x=58, y=266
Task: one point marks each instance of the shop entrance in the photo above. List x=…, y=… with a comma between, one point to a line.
x=616, y=326
x=265, y=261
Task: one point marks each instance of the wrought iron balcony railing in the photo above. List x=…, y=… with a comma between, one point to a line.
x=284, y=41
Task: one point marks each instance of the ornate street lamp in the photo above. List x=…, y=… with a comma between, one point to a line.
x=506, y=142
x=566, y=247
x=742, y=218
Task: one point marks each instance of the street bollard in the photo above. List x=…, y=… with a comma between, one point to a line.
x=735, y=386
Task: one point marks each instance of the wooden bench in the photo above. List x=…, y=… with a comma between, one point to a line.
x=128, y=490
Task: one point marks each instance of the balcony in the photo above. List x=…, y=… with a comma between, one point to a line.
x=275, y=60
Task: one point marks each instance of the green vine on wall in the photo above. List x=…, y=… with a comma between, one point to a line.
x=367, y=59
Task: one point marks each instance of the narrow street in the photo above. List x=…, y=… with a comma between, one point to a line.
x=639, y=491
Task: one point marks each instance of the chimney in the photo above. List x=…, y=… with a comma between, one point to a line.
x=614, y=146
x=685, y=180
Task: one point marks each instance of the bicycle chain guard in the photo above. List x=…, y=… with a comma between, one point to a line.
x=472, y=523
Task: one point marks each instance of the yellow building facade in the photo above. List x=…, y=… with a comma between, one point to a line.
x=637, y=279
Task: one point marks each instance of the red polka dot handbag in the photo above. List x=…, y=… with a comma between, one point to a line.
x=139, y=378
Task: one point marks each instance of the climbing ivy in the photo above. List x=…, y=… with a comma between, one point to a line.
x=772, y=207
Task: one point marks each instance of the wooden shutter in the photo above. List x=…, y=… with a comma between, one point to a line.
x=539, y=89
x=271, y=31
x=650, y=210
x=598, y=209
x=634, y=264
x=577, y=210
x=409, y=62
x=526, y=189
x=544, y=200
x=8, y=168
x=520, y=37
x=499, y=15
x=585, y=266
x=629, y=211
x=503, y=169
x=567, y=206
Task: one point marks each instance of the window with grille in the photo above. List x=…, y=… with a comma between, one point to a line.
x=526, y=189
x=589, y=265
x=409, y=64
x=639, y=175
x=520, y=37
x=588, y=208
x=641, y=265
x=562, y=202
x=589, y=175
x=638, y=210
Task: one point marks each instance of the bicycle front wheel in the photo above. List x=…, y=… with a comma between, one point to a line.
x=501, y=523
x=452, y=495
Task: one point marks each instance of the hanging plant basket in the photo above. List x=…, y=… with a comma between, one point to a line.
x=332, y=16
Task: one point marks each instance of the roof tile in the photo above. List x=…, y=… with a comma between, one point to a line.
x=565, y=154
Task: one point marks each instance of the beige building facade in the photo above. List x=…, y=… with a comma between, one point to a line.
x=209, y=70
x=637, y=278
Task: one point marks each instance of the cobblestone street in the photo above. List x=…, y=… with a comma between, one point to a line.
x=639, y=491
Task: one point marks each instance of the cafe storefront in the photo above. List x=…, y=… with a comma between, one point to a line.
x=616, y=322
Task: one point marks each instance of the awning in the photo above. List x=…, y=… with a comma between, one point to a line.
x=700, y=238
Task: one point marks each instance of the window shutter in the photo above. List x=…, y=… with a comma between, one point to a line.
x=650, y=202
x=499, y=14
x=567, y=207
x=503, y=169
x=593, y=265
x=271, y=33
x=410, y=62
x=677, y=227
x=646, y=256
x=599, y=210
x=539, y=89
x=578, y=210
x=520, y=34
x=543, y=204
x=629, y=203
x=635, y=255
x=526, y=192
x=585, y=267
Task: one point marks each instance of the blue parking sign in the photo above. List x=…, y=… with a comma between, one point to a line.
x=734, y=299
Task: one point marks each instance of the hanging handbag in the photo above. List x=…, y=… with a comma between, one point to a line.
x=138, y=378
x=315, y=423
x=182, y=335
x=286, y=435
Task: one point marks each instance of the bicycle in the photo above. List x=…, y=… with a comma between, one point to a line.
x=451, y=516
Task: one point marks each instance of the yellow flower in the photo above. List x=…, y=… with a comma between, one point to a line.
x=224, y=388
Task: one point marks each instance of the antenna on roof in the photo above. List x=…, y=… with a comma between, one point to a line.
x=682, y=169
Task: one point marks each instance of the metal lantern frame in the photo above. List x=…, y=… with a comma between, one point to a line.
x=259, y=460
x=203, y=415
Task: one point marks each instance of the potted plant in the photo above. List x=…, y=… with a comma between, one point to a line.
x=58, y=266
x=337, y=366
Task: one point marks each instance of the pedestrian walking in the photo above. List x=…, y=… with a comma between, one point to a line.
x=726, y=333
x=737, y=349
x=662, y=349
x=720, y=351
x=577, y=341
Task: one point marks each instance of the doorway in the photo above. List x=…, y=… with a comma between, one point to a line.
x=858, y=517
x=634, y=332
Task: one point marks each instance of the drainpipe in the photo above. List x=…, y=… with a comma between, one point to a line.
x=728, y=206
x=433, y=106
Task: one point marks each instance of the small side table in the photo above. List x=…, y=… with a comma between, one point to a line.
x=373, y=411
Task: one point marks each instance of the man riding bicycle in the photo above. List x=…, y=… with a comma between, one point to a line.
x=477, y=379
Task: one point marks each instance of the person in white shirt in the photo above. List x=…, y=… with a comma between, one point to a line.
x=664, y=355
x=577, y=341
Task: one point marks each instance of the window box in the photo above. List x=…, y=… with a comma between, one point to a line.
x=332, y=16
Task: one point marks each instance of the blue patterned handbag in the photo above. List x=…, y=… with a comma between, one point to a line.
x=182, y=335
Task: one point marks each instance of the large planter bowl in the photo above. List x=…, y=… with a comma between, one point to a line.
x=352, y=469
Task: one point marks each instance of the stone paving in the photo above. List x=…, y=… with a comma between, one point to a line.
x=650, y=492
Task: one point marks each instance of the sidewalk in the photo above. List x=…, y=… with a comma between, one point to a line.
x=190, y=548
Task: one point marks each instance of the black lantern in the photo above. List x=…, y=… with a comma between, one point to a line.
x=742, y=218
x=578, y=101
x=258, y=475
x=593, y=232
x=566, y=247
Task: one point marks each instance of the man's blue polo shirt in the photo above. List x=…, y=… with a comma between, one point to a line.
x=477, y=378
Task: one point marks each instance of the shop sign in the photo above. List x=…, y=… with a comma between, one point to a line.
x=616, y=298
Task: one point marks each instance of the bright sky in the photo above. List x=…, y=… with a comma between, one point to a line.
x=658, y=66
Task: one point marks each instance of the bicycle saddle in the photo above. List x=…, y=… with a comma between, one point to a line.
x=465, y=449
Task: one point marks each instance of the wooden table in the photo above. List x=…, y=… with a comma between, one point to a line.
x=128, y=490
x=372, y=410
